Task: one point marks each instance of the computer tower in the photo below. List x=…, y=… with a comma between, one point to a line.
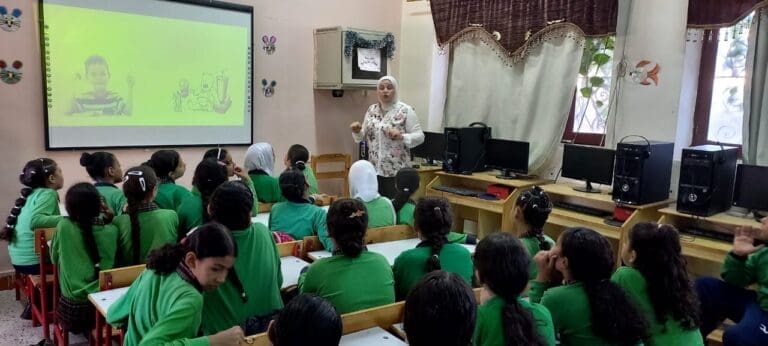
x=707, y=175
x=465, y=149
x=642, y=172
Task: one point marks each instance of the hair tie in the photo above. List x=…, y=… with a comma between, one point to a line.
x=218, y=155
x=405, y=189
x=357, y=213
x=302, y=162
x=140, y=174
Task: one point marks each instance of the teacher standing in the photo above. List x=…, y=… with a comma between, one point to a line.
x=390, y=128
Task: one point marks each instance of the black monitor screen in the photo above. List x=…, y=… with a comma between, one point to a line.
x=433, y=147
x=506, y=154
x=750, y=190
x=588, y=163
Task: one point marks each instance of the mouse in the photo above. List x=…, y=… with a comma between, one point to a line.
x=466, y=173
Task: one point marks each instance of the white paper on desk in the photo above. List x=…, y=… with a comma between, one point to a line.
x=369, y=59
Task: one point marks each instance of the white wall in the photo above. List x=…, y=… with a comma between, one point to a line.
x=416, y=49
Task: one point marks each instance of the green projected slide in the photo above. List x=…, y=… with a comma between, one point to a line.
x=109, y=68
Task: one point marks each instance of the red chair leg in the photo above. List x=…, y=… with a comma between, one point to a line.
x=44, y=312
x=99, y=329
x=33, y=298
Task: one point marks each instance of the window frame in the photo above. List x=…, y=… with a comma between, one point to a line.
x=573, y=137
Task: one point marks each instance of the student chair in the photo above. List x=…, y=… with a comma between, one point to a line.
x=338, y=159
x=38, y=286
x=111, y=279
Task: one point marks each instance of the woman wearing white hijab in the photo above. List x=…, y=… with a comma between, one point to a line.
x=390, y=128
x=260, y=161
x=364, y=186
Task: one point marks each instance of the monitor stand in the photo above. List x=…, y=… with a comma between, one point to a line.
x=587, y=188
x=507, y=174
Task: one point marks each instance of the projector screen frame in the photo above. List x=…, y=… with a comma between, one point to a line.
x=204, y=3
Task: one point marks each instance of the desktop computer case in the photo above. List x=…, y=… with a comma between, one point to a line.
x=642, y=172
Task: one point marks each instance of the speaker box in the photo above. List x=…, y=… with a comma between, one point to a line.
x=707, y=175
x=642, y=172
x=465, y=149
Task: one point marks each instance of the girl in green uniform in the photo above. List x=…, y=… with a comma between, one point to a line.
x=81, y=247
x=364, y=186
x=298, y=217
x=306, y=320
x=531, y=211
x=144, y=227
x=105, y=170
x=298, y=157
x=169, y=167
x=223, y=156
x=193, y=211
x=164, y=305
x=504, y=318
x=260, y=162
x=657, y=280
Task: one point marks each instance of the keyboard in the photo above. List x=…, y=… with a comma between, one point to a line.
x=705, y=233
x=581, y=209
x=459, y=191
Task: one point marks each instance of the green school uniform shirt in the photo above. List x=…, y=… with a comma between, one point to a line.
x=77, y=275
x=267, y=188
x=743, y=273
x=351, y=284
x=170, y=196
x=489, y=330
x=159, y=310
x=249, y=183
x=669, y=333
x=311, y=180
x=113, y=196
x=410, y=266
x=405, y=217
x=190, y=213
x=532, y=245
x=300, y=220
x=258, y=267
x=40, y=211
x=156, y=228
x=380, y=212
x=569, y=307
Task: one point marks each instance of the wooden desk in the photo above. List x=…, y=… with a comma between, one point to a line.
x=705, y=255
x=390, y=249
x=560, y=218
x=491, y=216
x=426, y=174
x=104, y=299
x=373, y=336
x=291, y=267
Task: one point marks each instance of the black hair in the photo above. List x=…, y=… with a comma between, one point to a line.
x=503, y=266
x=34, y=175
x=83, y=203
x=407, y=182
x=164, y=162
x=536, y=206
x=97, y=163
x=209, y=240
x=615, y=318
x=293, y=185
x=138, y=184
x=440, y=310
x=347, y=221
x=298, y=156
x=209, y=174
x=433, y=219
x=306, y=320
x=660, y=260
x=216, y=153
x=96, y=60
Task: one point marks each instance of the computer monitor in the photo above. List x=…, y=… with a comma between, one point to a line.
x=432, y=149
x=588, y=163
x=750, y=190
x=510, y=157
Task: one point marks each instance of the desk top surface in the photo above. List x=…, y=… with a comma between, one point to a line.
x=373, y=336
x=490, y=177
x=390, y=249
x=104, y=299
x=720, y=218
x=291, y=267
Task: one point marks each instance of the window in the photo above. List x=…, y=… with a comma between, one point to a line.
x=719, y=114
x=589, y=112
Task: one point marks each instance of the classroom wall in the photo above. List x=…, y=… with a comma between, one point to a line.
x=295, y=114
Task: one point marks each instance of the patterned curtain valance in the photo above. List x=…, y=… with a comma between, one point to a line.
x=353, y=39
x=514, y=22
x=715, y=14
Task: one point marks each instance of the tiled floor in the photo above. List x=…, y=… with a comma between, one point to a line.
x=15, y=331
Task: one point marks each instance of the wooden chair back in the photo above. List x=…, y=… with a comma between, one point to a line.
x=344, y=160
x=119, y=277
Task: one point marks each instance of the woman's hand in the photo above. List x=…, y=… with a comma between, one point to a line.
x=394, y=134
x=242, y=174
x=355, y=127
x=744, y=240
x=545, y=263
x=230, y=337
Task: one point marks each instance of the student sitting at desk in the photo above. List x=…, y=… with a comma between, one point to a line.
x=504, y=318
x=298, y=157
x=193, y=211
x=81, y=246
x=531, y=211
x=353, y=278
x=298, y=217
x=364, y=186
x=433, y=220
x=105, y=170
x=164, y=304
x=440, y=310
x=169, y=167
x=251, y=293
x=306, y=320
x=223, y=156
x=745, y=265
x=260, y=161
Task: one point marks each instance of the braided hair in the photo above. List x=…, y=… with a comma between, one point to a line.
x=139, y=183
x=433, y=219
x=83, y=203
x=536, y=206
x=34, y=175
x=347, y=222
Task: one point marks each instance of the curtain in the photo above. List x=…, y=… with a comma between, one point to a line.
x=715, y=14
x=755, y=132
x=527, y=100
